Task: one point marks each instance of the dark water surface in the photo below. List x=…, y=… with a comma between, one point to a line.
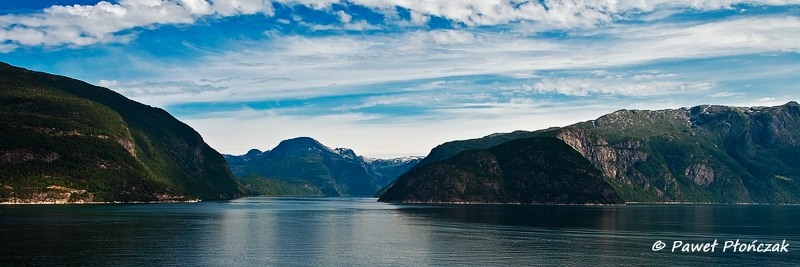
x=361, y=232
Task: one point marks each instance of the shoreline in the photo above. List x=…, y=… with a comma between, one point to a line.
x=591, y=204
x=410, y=203
x=101, y=203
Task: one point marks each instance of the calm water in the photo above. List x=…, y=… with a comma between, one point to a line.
x=362, y=232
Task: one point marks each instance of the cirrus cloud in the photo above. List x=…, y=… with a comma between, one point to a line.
x=104, y=22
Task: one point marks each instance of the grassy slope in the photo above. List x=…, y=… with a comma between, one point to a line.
x=86, y=126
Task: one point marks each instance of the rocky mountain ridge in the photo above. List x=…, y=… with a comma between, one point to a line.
x=305, y=162
x=703, y=153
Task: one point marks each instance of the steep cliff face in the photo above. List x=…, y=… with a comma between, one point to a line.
x=538, y=170
x=700, y=154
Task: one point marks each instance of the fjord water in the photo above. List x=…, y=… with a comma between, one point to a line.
x=264, y=231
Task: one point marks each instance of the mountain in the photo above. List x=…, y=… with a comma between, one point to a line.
x=699, y=154
x=713, y=154
x=386, y=171
x=305, y=163
x=63, y=140
x=538, y=170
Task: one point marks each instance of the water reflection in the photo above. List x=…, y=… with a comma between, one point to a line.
x=533, y=216
x=716, y=219
x=361, y=232
x=580, y=235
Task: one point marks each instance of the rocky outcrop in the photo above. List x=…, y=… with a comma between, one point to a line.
x=700, y=173
x=17, y=156
x=596, y=150
x=53, y=194
x=128, y=145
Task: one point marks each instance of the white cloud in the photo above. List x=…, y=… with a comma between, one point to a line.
x=734, y=36
x=5, y=48
x=637, y=44
x=636, y=86
x=435, y=100
x=108, y=84
x=344, y=17
x=559, y=14
x=171, y=88
x=234, y=7
x=200, y=7
x=699, y=4
x=452, y=37
x=80, y=25
x=586, y=87
x=361, y=25
x=301, y=67
x=316, y=4
x=726, y=94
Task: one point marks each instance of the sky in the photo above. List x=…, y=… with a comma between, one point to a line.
x=391, y=78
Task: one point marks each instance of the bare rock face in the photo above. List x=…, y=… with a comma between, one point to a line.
x=17, y=156
x=128, y=145
x=699, y=154
x=595, y=149
x=700, y=173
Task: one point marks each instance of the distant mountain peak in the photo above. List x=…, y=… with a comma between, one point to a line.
x=254, y=152
x=346, y=153
x=300, y=144
x=333, y=172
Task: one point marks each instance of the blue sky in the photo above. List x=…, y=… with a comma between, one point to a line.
x=392, y=78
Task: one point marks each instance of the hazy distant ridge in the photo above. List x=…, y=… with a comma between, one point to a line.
x=304, y=166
